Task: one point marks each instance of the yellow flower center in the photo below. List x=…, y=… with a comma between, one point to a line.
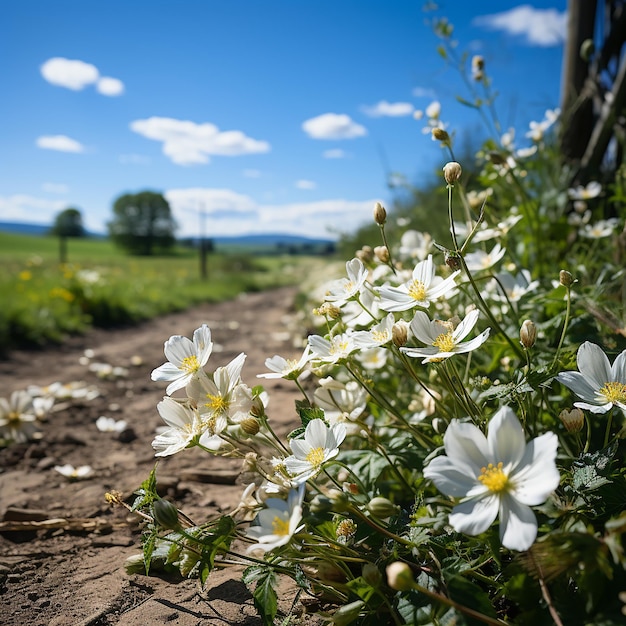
x=190, y=364
x=315, y=456
x=614, y=392
x=381, y=336
x=494, y=478
x=417, y=290
x=445, y=342
x=216, y=404
x=13, y=417
x=338, y=346
x=280, y=526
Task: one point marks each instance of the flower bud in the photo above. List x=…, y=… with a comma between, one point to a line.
x=381, y=507
x=339, y=499
x=165, y=514
x=371, y=574
x=321, y=504
x=565, y=278
x=348, y=613
x=400, y=333
x=528, y=334
x=328, y=309
x=382, y=254
x=365, y=254
x=400, y=576
x=452, y=172
x=250, y=425
x=478, y=63
x=380, y=214
x=439, y=134
x=572, y=420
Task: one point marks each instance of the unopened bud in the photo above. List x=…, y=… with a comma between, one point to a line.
x=439, y=134
x=250, y=425
x=339, y=499
x=165, y=514
x=365, y=254
x=371, y=575
x=381, y=507
x=329, y=310
x=528, y=334
x=382, y=254
x=348, y=613
x=452, y=172
x=320, y=504
x=572, y=420
x=565, y=278
x=400, y=333
x=400, y=576
x=380, y=214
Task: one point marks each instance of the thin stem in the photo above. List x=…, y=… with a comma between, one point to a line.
x=568, y=309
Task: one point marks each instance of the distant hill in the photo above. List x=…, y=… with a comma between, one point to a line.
x=273, y=240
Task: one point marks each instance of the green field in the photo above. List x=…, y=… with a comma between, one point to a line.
x=43, y=300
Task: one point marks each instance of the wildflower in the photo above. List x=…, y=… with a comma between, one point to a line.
x=333, y=350
x=573, y=420
x=481, y=260
x=414, y=245
x=110, y=425
x=74, y=473
x=185, y=359
x=319, y=445
x=185, y=427
x=341, y=401
x=597, y=383
x=515, y=287
x=588, y=192
x=499, y=474
x=528, y=334
x=346, y=288
x=380, y=214
x=278, y=522
x=443, y=339
x=18, y=417
x=423, y=288
x=452, y=172
x=599, y=230
x=289, y=369
x=377, y=336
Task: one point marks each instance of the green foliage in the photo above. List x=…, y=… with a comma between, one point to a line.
x=68, y=223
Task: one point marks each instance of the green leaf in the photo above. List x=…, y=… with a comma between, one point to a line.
x=469, y=594
x=147, y=492
x=148, y=548
x=265, y=598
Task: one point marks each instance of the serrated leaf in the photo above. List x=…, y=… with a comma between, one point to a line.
x=307, y=414
x=265, y=598
x=148, y=549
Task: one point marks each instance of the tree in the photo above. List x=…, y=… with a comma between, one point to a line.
x=68, y=223
x=142, y=223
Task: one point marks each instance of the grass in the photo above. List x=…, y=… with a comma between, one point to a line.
x=45, y=300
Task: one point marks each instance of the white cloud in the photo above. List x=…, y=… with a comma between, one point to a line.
x=334, y=153
x=108, y=86
x=333, y=126
x=186, y=143
x=305, y=184
x=388, y=109
x=540, y=27
x=424, y=92
x=62, y=143
x=60, y=188
x=250, y=173
x=25, y=208
x=76, y=75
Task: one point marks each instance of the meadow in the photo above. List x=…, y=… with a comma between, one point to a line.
x=45, y=300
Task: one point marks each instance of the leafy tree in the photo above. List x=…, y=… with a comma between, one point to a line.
x=68, y=223
x=142, y=223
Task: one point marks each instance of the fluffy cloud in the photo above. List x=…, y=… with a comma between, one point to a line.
x=389, y=109
x=62, y=143
x=305, y=184
x=187, y=143
x=540, y=27
x=25, y=208
x=76, y=75
x=333, y=126
x=334, y=153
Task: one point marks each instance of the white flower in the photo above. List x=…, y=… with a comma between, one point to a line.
x=515, y=287
x=498, y=475
x=481, y=260
x=18, y=418
x=223, y=395
x=290, y=369
x=74, y=473
x=499, y=230
x=598, y=383
x=377, y=336
x=185, y=359
x=333, y=350
x=372, y=358
x=443, y=339
x=110, y=425
x=590, y=191
x=278, y=522
x=419, y=291
x=414, y=245
x=319, y=445
x=341, y=401
x=344, y=289
x=185, y=427
x=599, y=230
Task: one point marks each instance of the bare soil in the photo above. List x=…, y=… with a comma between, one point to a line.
x=69, y=570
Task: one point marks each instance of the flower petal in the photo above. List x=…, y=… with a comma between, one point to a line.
x=593, y=364
x=448, y=477
x=579, y=385
x=466, y=446
x=518, y=524
x=506, y=437
x=537, y=476
x=474, y=516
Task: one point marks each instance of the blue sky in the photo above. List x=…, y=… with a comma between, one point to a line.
x=268, y=116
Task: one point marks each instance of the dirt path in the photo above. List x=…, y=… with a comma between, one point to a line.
x=60, y=576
